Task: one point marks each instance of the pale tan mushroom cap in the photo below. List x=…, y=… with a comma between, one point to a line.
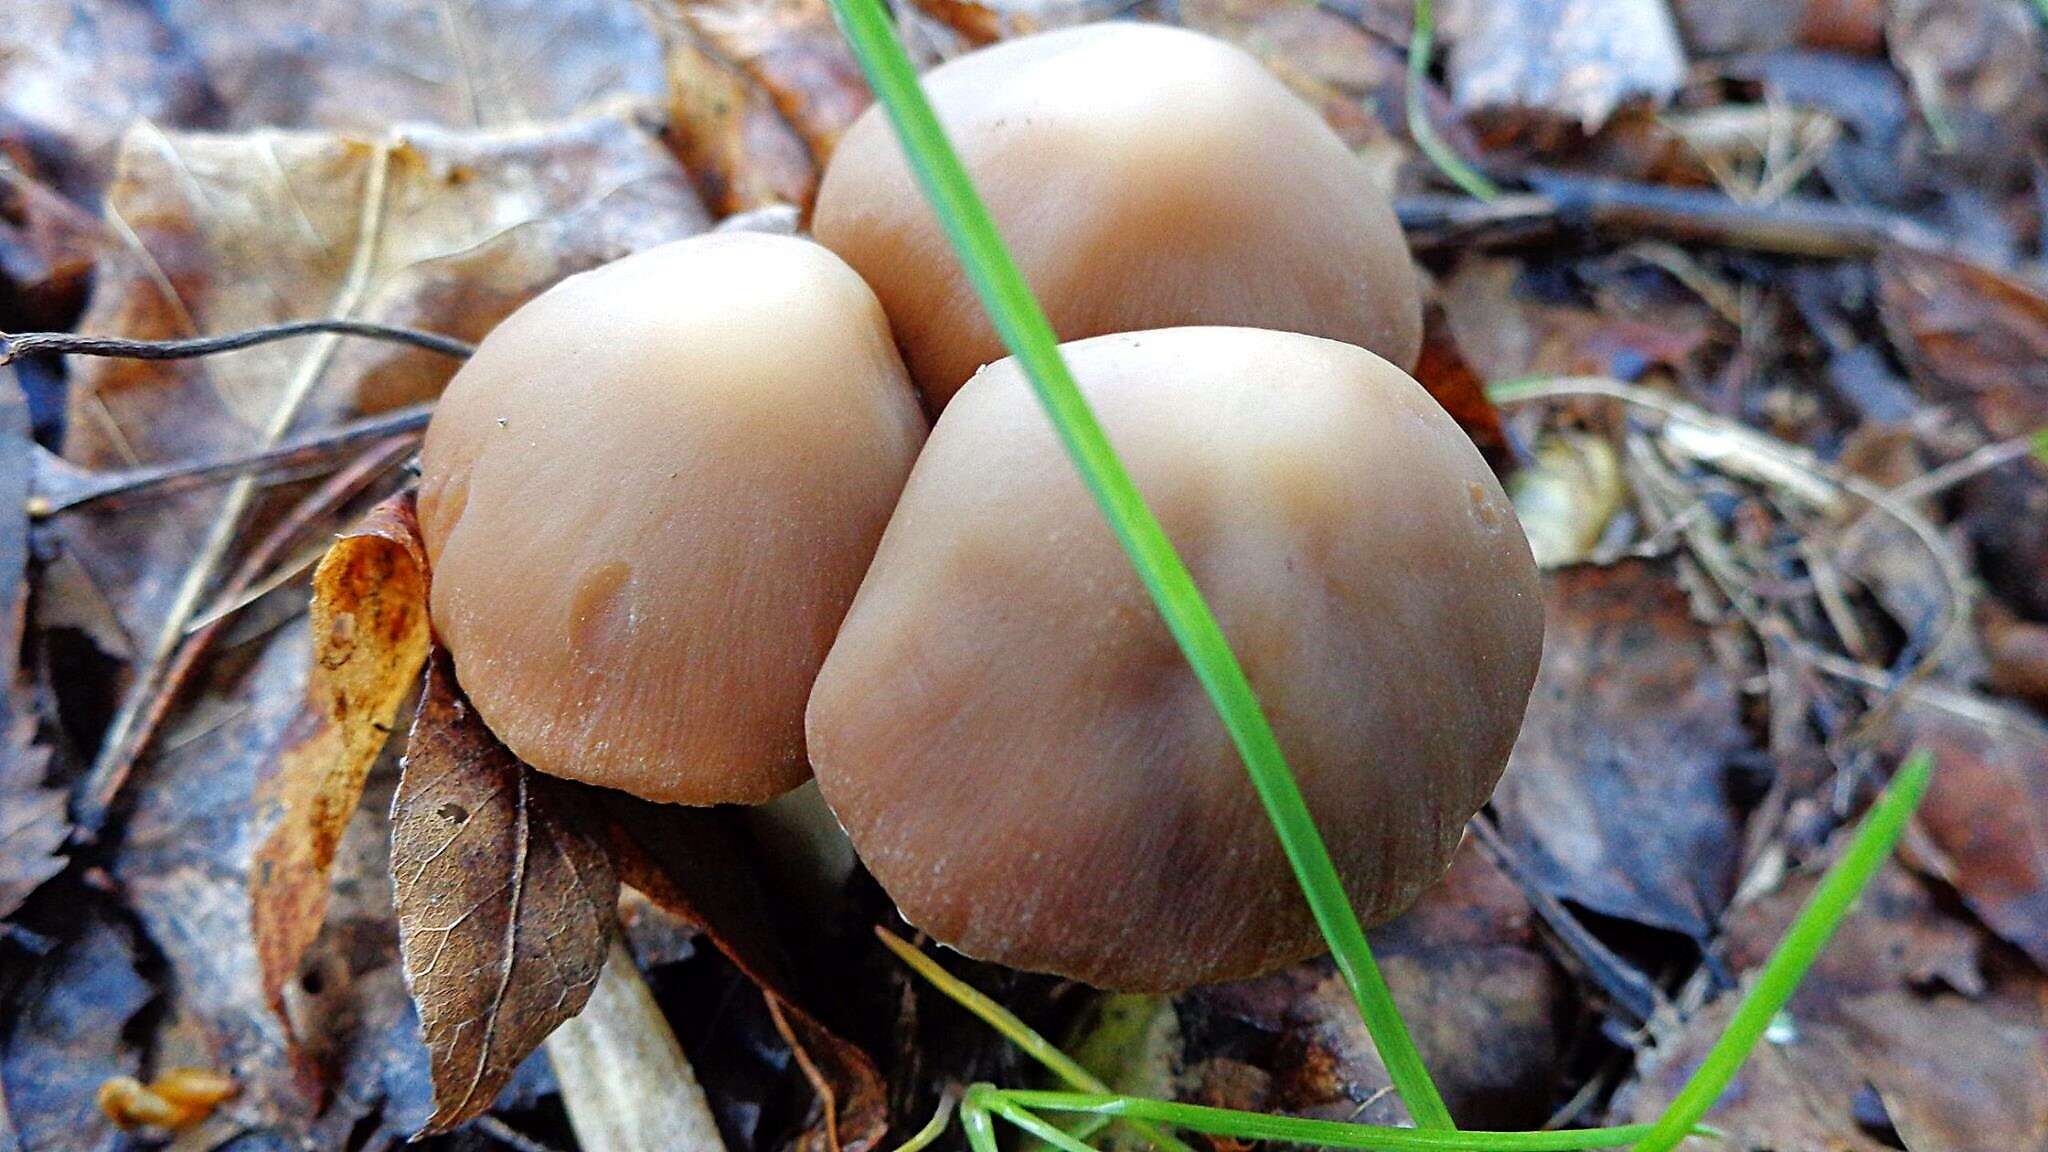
x=648, y=499
x=1019, y=751
x=1144, y=177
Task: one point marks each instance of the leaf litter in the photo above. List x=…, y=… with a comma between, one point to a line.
x=1747, y=631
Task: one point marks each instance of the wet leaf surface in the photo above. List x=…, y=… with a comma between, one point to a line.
x=1615, y=794
x=505, y=896
x=370, y=636
x=68, y=1038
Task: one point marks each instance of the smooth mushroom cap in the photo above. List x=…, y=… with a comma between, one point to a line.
x=648, y=500
x=1144, y=177
x=1028, y=765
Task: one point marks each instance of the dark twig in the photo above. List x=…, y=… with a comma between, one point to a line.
x=13, y=347
x=1625, y=986
x=1564, y=202
x=97, y=792
x=61, y=488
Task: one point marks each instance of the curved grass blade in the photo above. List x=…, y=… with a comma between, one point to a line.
x=1025, y=332
x=1421, y=44
x=1015, y=1031
x=1321, y=1133
x=1795, y=954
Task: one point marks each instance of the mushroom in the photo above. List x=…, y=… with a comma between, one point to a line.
x=1017, y=748
x=648, y=499
x=1144, y=177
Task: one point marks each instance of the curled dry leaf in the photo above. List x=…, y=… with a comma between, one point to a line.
x=1442, y=368
x=506, y=899
x=793, y=51
x=694, y=864
x=1567, y=496
x=370, y=641
x=741, y=150
x=1614, y=793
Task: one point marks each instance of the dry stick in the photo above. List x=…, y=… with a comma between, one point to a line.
x=1796, y=470
x=15, y=346
x=58, y=492
x=1562, y=203
x=121, y=745
x=624, y=1080
x=338, y=490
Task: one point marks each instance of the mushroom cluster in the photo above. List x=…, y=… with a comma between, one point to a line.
x=693, y=536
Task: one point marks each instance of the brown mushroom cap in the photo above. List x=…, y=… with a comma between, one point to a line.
x=1144, y=177
x=648, y=499
x=1021, y=754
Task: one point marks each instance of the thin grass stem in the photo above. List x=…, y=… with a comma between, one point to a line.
x=1028, y=1123
x=1781, y=974
x=1421, y=44
x=981, y=1134
x=1322, y=1133
x=933, y=1128
x=1016, y=1031
x=1026, y=333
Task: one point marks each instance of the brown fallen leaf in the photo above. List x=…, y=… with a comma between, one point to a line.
x=75, y=74
x=1976, y=340
x=506, y=899
x=425, y=227
x=1974, y=70
x=1489, y=1010
x=47, y=248
x=1450, y=378
x=1614, y=795
x=740, y=149
x=1899, y=937
x=1713, y=27
x=371, y=636
x=791, y=49
x=694, y=864
x=1988, y=818
x=33, y=822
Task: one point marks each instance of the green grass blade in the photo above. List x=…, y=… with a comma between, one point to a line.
x=1025, y=332
x=981, y=1134
x=1421, y=44
x=933, y=1128
x=1016, y=1031
x=1025, y=1121
x=1321, y=1133
x=1795, y=954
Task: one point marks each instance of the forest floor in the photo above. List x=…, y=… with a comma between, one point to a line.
x=1762, y=302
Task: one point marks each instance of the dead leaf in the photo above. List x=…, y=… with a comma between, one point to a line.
x=1353, y=78
x=370, y=636
x=47, y=249
x=75, y=74
x=738, y=146
x=1974, y=68
x=1567, y=496
x=33, y=822
x=505, y=894
x=791, y=49
x=1899, y=937
x=1988, y=813
x=1977, y=341
x=65, y=1035
x=1713, y=27
x=693, y=863
x=1614, y=794
x=1489, y=1011
x=1577, y=60
x=1442, y=368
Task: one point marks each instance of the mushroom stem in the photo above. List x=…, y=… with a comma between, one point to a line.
x=803, y=846
x=624, y=1079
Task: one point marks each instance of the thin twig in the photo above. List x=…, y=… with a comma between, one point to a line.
x=1973, y=465
x=61, y=489
x=14, y=347
x=94, y=794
